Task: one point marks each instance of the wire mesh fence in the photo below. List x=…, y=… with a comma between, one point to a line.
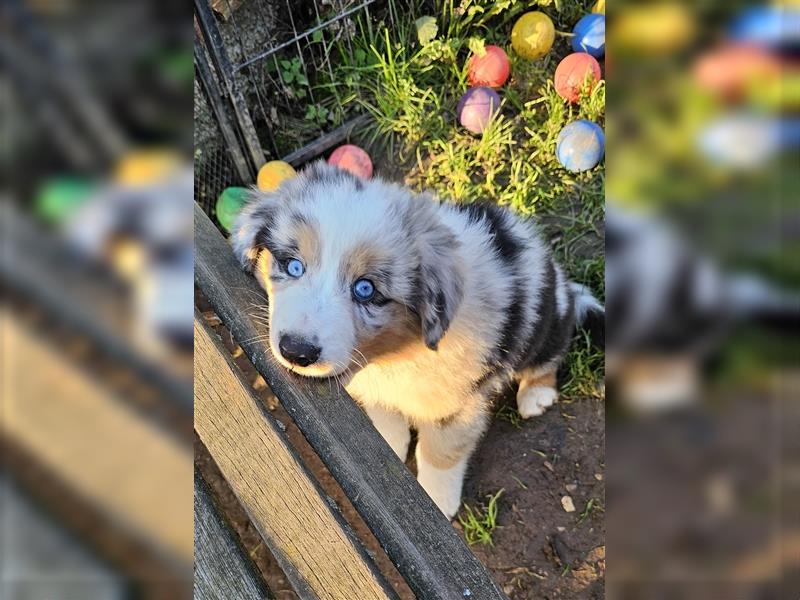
x=275, y=63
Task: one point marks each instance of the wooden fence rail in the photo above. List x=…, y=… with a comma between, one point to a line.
x=419, y=540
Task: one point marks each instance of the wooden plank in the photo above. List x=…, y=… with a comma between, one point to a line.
x=326, y=142
x=42, y=559
x=125, y=549
x=309, y=541
x=206, y=25
x=415, y=534
x=38, y=266
x=221, y=570
x=102, y=448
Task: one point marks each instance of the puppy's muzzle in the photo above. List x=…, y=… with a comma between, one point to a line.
x=298, y=351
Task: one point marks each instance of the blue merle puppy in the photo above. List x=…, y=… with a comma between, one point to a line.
x=424, y=309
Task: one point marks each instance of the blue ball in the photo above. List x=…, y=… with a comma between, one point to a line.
x=767, y=26
x=580, y=145
x=590, y=35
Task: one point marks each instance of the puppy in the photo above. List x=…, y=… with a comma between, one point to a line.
x=670, y=310
x=424, y=310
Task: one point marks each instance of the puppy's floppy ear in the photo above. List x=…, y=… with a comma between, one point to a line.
x=440, y=285
x=251, y=229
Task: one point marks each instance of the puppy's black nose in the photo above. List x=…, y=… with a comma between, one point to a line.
x=298, y=351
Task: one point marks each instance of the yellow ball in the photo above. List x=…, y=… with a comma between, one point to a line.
x=599, y=7
x=533, y=35
x=273, y=173
x=147, y=166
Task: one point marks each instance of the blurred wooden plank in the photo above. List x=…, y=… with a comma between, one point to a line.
x=44, y=269
x=221, y=570
x=309, y=541
x=148, y=571
x=102, y=449
x=41, y=559
x=421, y=542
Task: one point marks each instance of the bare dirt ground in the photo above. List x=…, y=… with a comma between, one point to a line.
x=539, y=549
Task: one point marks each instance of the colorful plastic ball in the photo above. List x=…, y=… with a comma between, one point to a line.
x=60, y=197
x=770, y=26
x=353, y=159
x=229, y=204
x=476, y=108
x=729, y=71
x=146, y=166
x=273, y=174
x=590, y=35
x=654, y=29
x=580, y=146
x=572, y=74
x=532, y=35
x=491, y=69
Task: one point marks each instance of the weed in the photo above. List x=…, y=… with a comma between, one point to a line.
x=585, y=369
x=509, y=414
x=592, y=506
x=293, y=77
x=479, y=523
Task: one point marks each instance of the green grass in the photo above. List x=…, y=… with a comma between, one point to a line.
x=585, y=369
x=509, y=414
x=479, y=523
x=592, y=506
x=412, y=89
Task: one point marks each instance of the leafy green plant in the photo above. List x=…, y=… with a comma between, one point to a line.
x=294, y=78
x=316, y=112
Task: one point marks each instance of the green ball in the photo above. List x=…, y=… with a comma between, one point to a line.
x=59, y=197
x=229, y=203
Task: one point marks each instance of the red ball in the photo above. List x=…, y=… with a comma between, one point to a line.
x=491, y=69
x=728, y=71
x=571, y=74
x=352, y=158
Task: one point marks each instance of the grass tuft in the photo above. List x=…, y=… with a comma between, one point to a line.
x=510, y=414
x=412, y=90
x=479, y=523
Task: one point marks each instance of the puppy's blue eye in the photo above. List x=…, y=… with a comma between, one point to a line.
x=295, y=268
x=363, y=289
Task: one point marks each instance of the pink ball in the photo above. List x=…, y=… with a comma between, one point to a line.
x=353, y=159
x=476, y=107
x=571, y=73
x=491, y=69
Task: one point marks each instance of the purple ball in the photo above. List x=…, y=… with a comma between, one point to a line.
x=476, y=107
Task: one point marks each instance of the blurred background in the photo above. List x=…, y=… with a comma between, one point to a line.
x=702, y=282
x=96, y=312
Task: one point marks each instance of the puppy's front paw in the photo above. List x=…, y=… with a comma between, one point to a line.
x=442, y=485
x=533, y=401
x=445, y=497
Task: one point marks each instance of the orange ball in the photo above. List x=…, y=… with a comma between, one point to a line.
x=491, y=69
x=353, y=159
x=572, y=72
